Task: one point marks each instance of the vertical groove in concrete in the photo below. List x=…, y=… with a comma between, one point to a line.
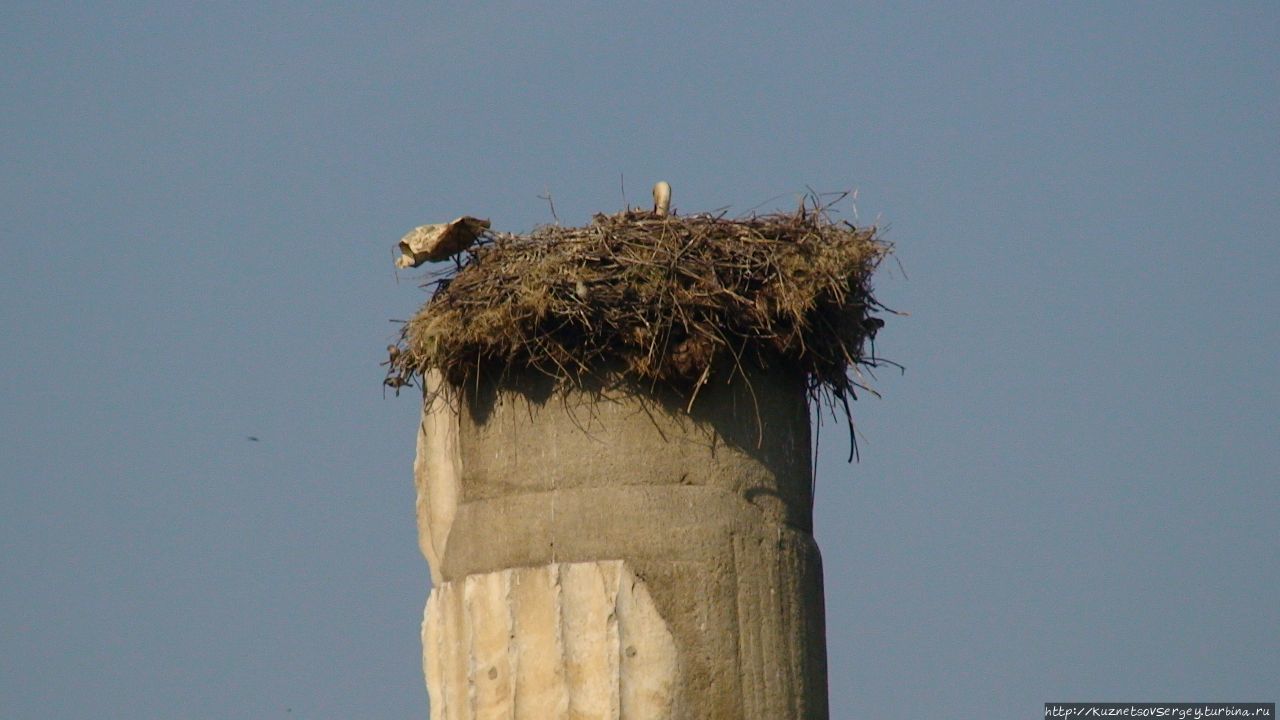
x=589, y=595
x=775, y=612
x=540, y=687
x=453, y=650
x=750, y=650
x=489, y=616
x=772, y=632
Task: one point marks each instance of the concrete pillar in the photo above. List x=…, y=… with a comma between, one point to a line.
x=602, y=553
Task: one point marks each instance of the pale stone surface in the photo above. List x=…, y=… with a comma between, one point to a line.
x=493, y=689
x=710, y=513
x=590, y=635
x=566, y=640
x=648, y=655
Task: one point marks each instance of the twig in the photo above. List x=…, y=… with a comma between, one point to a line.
x=550, y=202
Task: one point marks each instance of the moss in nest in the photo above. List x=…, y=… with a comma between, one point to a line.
x=672, y=300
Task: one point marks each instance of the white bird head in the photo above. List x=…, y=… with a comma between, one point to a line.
x=661, y=198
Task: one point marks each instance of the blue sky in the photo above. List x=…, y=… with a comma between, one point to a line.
x=1071, y=494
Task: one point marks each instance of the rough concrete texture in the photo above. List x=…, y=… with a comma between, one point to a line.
x=711, y=511
x=437, y=475
x=566, y=640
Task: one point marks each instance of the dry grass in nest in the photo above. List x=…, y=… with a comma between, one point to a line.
x=672, y=300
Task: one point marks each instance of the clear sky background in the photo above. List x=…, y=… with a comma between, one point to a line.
x=1071, y=494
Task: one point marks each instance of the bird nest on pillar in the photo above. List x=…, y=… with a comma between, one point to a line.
x=673, y=300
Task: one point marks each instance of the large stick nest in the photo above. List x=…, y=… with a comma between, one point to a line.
x=672, y=300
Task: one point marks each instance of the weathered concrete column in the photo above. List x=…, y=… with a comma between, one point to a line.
x=606, y=554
